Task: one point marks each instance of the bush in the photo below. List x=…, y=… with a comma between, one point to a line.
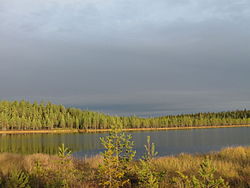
x=148, y=177
x=60, y=172
x=17, y=178
x=150, y=150
x=205, y=178
x=114, y=170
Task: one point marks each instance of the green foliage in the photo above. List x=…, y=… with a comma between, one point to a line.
x=62, y=174
x=148, y=177
x=205, y=178
x=63, y=151
x=23, y=115
x=37, y=174
x=17, y=179
x=150, y=150
x=116, y=157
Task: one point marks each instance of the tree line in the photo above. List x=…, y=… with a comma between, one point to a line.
x=23, y=115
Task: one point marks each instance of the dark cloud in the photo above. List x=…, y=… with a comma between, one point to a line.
x=142, y=60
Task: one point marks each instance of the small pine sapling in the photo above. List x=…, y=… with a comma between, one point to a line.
x=147, y=175
x=116, y=157
x=18, y=178
x=63, y=151
x=205, y=178
x=150, y=150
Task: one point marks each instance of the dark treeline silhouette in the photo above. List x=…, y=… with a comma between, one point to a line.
x=23, y=115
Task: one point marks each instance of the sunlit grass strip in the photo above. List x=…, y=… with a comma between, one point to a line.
x=165, y=128
x=54, y=131
x=232, y=164
x=58, y=131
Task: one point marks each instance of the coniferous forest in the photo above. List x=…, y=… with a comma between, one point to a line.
x=23, y=115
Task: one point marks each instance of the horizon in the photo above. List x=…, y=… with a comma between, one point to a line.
x=127, y=57
x=127, y=115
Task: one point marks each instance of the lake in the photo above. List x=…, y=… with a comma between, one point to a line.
x=168, y=142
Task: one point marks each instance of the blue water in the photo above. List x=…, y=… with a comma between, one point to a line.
x=169, y=142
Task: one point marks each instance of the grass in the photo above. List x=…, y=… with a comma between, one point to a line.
x=62, y=131
x=232, y=164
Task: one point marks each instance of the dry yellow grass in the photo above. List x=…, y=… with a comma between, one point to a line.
x=232, y=164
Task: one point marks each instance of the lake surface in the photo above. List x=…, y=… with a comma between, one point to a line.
x=167, y=142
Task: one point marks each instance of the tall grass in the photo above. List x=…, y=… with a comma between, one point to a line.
x=232, y=164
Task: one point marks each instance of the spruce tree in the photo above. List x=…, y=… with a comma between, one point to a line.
x=116, y=157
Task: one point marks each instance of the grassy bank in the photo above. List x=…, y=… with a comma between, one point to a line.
x=61, y=131
x=232, y=164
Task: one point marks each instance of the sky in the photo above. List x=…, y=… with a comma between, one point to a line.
x=126, y=57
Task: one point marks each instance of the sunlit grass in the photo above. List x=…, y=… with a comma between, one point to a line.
x=232, y=164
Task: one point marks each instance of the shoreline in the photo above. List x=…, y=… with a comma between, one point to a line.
x=62, y=131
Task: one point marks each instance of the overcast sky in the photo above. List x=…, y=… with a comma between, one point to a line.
x=126, y=57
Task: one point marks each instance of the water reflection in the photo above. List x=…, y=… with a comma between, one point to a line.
x=167, y=142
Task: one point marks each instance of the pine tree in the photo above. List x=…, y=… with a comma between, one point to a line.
x=116, y=157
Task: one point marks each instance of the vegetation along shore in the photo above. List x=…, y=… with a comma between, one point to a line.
x=63, y=131
x=24, y=116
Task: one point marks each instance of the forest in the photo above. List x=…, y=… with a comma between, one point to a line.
x=24, y=115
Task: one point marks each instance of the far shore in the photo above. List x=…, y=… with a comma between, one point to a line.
x=61, y=131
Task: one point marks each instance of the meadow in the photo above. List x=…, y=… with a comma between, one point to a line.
x=40, y=170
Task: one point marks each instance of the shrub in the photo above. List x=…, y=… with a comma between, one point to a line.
x=150, y=150
x=148, y=177
x=59, y=172
x=205, y=178
x=17, y=178
x=63, y=151
x=113, y=172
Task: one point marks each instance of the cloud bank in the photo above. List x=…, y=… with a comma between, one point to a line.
x=127, y=57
